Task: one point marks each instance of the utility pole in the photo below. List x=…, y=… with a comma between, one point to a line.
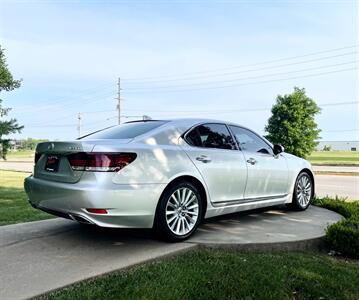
x=79, y=119
x=119, y=100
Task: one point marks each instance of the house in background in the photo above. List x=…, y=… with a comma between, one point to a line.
x=339, y=145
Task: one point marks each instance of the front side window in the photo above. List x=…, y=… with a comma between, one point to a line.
x=249, y=141
x=125, y=131
x=211, y=136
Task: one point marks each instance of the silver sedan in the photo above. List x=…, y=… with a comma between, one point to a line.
x=167, y=175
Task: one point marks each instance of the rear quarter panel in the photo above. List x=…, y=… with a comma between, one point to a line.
x=159, y=159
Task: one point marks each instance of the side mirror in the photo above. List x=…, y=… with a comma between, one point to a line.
x=278, y=149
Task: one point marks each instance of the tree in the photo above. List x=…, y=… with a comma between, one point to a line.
x=7, y=126
x=327, y=148
x=292, y=123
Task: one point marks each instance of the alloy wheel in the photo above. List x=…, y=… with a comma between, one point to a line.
x=304, y=190
x=182, y=211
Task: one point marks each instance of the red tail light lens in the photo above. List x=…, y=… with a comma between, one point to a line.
x=100, y=162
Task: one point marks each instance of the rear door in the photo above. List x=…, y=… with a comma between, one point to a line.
x=267, y=173
x=213, y=151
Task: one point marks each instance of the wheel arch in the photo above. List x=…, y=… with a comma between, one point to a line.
x=311, y=175
x=196, y=182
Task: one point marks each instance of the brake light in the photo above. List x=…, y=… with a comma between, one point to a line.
x=37, y=157
x=100, y=162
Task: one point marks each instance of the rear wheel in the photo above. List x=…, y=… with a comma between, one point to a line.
x=179, y=212
x=303, y=192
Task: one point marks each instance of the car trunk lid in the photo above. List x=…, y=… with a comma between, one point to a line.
x=52, y=161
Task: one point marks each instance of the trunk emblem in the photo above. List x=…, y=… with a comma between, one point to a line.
x=74, y=148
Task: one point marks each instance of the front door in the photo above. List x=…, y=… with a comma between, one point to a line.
x=267, y=173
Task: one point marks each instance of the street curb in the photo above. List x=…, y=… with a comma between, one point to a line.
x=335, y=173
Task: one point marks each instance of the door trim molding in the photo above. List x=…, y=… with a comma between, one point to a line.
x=247, y=200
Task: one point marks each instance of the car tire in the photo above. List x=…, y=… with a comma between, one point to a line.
x=179, y=212
x=303, y=192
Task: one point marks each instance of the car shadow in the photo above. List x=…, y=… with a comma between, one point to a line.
x=120, y=235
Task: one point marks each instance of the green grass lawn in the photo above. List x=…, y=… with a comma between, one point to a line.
x=225, y=274
x=21, y=155
x=14, y=207
x=334, y=157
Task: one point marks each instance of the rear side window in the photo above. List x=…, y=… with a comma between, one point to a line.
x=125, y=131
x=211, y=136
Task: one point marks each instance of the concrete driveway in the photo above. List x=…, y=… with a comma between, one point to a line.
x=40, y=256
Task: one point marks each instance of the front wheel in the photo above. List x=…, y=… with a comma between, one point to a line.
x=303, y=192
x=179, y=212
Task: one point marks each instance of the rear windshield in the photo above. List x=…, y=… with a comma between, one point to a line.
x=124, y=131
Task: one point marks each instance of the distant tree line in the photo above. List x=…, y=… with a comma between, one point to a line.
x=25, y=144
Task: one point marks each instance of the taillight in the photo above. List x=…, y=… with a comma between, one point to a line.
x=37, y=157
x=100, y=162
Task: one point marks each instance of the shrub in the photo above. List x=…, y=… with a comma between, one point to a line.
x=342, y=236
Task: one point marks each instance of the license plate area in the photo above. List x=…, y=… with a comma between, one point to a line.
x=52, y=163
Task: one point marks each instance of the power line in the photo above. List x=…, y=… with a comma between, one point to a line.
x=69, y=98
x=246, y=65
x=251, y=70
x=245, y=78
x=248, y=83
x=100, y=93
x=237, y=110
x=196, y=112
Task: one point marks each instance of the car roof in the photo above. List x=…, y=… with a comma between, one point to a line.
x=189, y=121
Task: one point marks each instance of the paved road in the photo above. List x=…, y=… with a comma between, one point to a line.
x=343, y=169
x=17, y=166
x=343, y=186
x=40, y=256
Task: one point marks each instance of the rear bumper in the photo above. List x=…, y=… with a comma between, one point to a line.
x=128, y=205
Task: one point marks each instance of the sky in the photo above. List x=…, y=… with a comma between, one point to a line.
x=226, y=60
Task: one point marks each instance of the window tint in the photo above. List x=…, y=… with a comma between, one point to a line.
x=211, y=136
x=125, y=131
x=249, y=141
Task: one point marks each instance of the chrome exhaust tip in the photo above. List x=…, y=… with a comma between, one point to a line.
x=80, y=219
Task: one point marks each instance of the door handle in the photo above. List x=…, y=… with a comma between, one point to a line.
x=203, y=158
x=251, y=161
